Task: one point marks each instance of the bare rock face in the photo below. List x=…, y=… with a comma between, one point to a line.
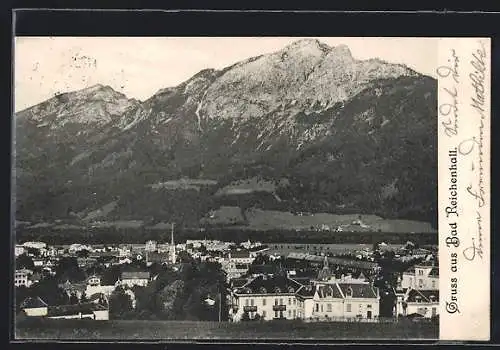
x=303, y=75
x=340, y=130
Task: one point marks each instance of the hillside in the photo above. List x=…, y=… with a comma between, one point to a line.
x=324, y=131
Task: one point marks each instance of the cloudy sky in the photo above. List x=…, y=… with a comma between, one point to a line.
x=138, y=67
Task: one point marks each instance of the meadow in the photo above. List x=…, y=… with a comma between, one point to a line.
x=197, y=330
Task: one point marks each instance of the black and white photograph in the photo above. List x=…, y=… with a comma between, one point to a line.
x=225, y=188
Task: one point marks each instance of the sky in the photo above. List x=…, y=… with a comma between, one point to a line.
x=140, y=66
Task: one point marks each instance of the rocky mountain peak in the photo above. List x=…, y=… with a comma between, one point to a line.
x=341, y=50
x=309, y=47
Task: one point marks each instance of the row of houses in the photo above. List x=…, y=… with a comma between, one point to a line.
x=282, y=297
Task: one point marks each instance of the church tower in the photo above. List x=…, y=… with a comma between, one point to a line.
x=172, y=254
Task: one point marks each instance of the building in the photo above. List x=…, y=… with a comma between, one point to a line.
x=72, y=288
x=233, y=270
x=135, y=278
x=158, y=257
x=281, y=297
x=420, y=303
x=314, y=248
x=18, y=250
x=77, y=247
x=240, y=256
x=345, y=300
x=270, y=297
x=35, y=245
x=91, y=311
x=151, y=246
x=94, y=287
x=421, y=277
x=22, y=278
x=34, y=307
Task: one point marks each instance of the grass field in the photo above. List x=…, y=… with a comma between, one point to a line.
x=186, y=330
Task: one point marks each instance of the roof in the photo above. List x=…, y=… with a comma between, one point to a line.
x=265, y=269
x=325, y=272
x=401, y=290
x=66, y=310
x=158, y=257
x=359, y=290
x=328, y=291
x=306, y=291
x=32, y=303
x=239, y=253
x=333, y=261
x=424, y=295
x=266, y=285
x=303, y=280
x=135, y=275
x=434, y=272
x=258, y=248
x=238, y=282
x=410, y=270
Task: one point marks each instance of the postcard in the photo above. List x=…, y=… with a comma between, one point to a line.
x=251, y=188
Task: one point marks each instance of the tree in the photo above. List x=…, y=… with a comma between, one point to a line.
x=84, y=253
x=73, y=299
x=33, y=251
x=261, y=259
x=119, y=303
x=111, y=275
x=169, y=300
x=245, y=316
x=21, y=293
x=68, y=269
x=24, y=261
x=48, y=290
x=83, y=298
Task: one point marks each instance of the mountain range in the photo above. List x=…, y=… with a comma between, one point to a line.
x=308, y=128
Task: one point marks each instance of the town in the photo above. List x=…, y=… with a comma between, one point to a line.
x=211, y=280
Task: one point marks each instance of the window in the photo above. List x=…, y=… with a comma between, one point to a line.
x=348, y=307
x=264, y=302
x=369, y=306
x=276, y=314
x=433, y=284
x=420, y=272
x=251, y=302
x=263, y=313
x=281, y=301
x=321, y=307
x=246, y=302
x=289, y=301
x=329, y=307
x=317, y=307
x=420, y=282
x=289, y=313
x=275, y=301
x=294, y=301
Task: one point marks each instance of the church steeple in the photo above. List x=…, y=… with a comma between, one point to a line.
x=325, y=272
x=173, y=257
